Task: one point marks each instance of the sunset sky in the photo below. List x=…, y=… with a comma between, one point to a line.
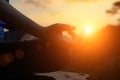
x=78, y=13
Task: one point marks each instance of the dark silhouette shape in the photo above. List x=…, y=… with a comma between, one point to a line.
x=29, y=77
x=115, y=10
x=37, y=58
x=99, y=55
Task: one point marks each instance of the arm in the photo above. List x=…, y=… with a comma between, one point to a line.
x=18, y=20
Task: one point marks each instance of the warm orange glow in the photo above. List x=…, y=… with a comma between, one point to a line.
x=88, y=30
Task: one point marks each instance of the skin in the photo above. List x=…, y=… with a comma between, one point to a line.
x=51, y=34
x=13, y=17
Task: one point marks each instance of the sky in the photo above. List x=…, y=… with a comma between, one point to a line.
x=78, y=13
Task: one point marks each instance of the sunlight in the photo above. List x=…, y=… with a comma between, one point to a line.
x=88, y=30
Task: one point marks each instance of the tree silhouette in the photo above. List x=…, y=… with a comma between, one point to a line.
x=115, y=10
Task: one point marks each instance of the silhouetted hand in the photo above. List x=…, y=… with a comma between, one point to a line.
x=53, y=33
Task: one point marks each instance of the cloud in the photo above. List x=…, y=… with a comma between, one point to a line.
x=85, y=1
x=39, y=3
x=48, y=7
x=48, y=3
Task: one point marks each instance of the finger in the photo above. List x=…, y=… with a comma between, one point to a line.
x=62, y=27
x=72, y=34
x=65, y=27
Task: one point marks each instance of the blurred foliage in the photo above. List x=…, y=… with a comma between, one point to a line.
x=99, y=55
x=115, y=10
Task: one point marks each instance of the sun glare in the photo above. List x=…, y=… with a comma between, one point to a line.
x=88, y=30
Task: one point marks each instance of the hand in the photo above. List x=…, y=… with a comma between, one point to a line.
x=53, y=33
x=59, y=48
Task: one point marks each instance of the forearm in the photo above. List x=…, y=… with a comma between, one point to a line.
x=18, y=20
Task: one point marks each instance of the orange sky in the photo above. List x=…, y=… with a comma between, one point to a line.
x=78, y=13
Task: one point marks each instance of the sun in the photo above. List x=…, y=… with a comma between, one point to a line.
x=88, y=30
